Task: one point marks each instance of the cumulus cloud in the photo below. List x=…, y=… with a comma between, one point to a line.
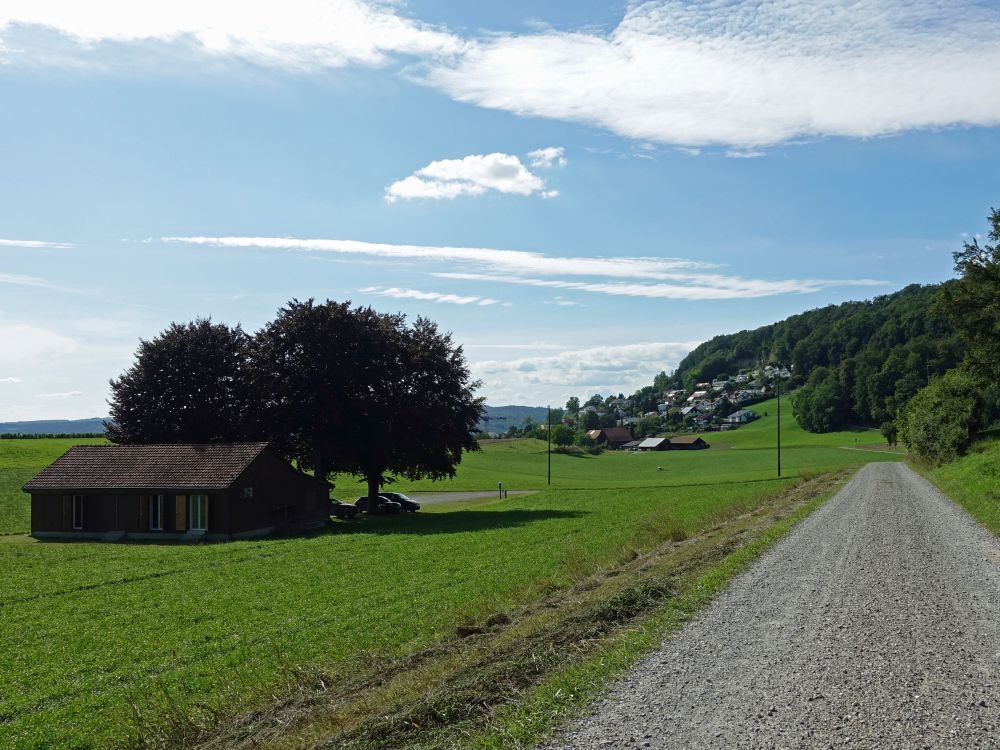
x=472, y=175
x=454, y=299
x=543, y=158
x=40, y=244
x=604, y=369
x=748, y=74
x=297, y=34
x=687, y=279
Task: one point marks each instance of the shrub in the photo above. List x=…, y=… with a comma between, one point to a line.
x=942, y=419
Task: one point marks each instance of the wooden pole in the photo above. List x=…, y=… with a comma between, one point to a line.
x=779, y=427
x=548, y=435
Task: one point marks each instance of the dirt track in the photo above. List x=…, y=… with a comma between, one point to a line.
x=874, y=624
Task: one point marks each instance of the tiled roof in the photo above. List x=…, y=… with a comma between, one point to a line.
x=684, y=440
x=185, y=466
x=617, y=434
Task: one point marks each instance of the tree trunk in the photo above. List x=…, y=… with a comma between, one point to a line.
x=320, y=469
x=374, y=485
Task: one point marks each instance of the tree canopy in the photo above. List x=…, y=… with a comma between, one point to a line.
x=191, y=383
x=972, y=303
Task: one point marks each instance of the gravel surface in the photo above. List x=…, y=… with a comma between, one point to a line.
x=874, y=624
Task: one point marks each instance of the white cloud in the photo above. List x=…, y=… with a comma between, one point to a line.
x=524, y=268
x=21, y=342
x=561, y=302
x=543, y=158
x=41, y=244
x=298, y=34
x=555, y=377
x=748, y=74
x=454, y=299
x=692, y=286
x=16, y=279
x=497, y=260
x=65, y=394
x=10, y=380
x=471, y=175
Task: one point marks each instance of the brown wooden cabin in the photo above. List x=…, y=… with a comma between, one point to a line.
x=687, y=443
x=211, y=491
x=612, y=437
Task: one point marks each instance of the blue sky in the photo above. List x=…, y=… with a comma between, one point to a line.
x=580, y=191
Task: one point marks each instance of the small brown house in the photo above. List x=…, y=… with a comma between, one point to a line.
x=687, y=443
x=212, y=491
x=612, y=437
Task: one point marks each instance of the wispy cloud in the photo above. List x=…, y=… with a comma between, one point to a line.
x=454, y=299
x=508, y=261
x=41, y=244
x=297, y=34
x=474, y=175
x=647, y=275
x=690, y=286
x=21, y=342
x=748, y=74
x=64, y=394
x=10, y=380
x=16, y=279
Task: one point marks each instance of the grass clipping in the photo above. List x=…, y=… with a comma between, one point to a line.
x=507, y=681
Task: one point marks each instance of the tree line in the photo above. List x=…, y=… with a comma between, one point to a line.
x=333, y=388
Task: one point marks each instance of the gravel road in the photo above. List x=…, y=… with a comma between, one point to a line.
x=435, y=498
x=874, y=624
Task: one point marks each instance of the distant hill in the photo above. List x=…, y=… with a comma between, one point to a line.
x=53, y=426
x=500, y=418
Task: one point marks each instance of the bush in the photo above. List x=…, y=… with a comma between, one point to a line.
x=941, y=421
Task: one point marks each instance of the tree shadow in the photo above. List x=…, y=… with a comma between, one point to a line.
x=448, y=522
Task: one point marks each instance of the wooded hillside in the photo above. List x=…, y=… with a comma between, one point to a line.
x=860, y=361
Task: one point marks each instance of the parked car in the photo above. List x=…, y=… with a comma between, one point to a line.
x=384, y=505
x=409, y=505
x=343, y=510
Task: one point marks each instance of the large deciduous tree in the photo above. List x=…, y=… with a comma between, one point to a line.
x=189, y=384
x=972, y=302
x=351, y=390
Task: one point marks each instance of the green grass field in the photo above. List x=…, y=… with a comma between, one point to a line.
x=746, y=454
x=92, y=630
x=974, y=481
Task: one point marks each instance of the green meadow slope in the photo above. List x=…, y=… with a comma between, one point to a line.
x=94, y=632
x=974, y=481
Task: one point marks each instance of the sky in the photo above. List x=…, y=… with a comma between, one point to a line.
x=580, y=192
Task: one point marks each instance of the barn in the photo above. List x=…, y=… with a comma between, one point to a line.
x=181, y=491
x=687, y=443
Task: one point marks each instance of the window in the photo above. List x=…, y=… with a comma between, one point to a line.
x=248, y=492
x=198, y=512
x=77, y=511
x=156, y=512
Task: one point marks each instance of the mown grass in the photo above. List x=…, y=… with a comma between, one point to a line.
x=745, y=454
x=91, y=629
x=974, y=481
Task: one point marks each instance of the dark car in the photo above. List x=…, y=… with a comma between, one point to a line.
x=408, y=504
x=343, y=510
x=384, y=505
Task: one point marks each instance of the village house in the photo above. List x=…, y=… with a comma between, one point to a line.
x=611, y=437
x=186, y=491
x=654, y=444
x=741, y=416
x=687, y=443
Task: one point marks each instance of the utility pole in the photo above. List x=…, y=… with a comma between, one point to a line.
x=548, y=435
x=778, y=385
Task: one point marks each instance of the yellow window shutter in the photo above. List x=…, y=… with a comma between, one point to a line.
x=181, y=513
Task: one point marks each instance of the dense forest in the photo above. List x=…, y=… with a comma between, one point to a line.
x=858, y=362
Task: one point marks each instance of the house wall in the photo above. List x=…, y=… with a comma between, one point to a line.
x=283, y=498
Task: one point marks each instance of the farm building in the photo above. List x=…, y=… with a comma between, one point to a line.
x=654, y=444
x=612, y=437
x=687, y=443
x=216, y=491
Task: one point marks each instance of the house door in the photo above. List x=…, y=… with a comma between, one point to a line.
x=198, y=512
